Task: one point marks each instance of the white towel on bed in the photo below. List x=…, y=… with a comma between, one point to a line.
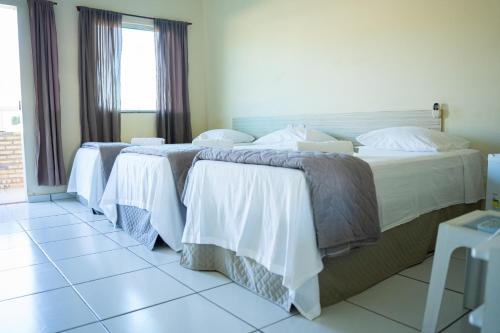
x=344, y=147
x=147, y=141
x=211, y=143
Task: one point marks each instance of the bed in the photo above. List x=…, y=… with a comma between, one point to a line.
x=143, y=190
x=264, y=239
x=90, y=171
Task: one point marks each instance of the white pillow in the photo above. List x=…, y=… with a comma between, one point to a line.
x=411, y=139
x=293, y=134
x=225, y=134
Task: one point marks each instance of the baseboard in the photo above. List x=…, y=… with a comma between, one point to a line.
x=39, y=198
x=50, y=197
x=61, y=196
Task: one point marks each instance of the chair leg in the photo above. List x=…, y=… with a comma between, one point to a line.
x=440, y=265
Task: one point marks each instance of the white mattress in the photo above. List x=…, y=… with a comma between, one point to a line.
x=146, y=182
x=265, y=213
x=87, y=176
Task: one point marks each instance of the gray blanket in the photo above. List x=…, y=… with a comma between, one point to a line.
x=342, y=191
x=108, y=151
x=180, y=157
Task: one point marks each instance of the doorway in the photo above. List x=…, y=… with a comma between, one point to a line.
x=12, y=182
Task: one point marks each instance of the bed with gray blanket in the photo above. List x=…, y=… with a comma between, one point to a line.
x=355, y=254
x=158, y=214
x=91, y=168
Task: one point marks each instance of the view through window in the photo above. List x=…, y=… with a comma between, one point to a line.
x=138, y=71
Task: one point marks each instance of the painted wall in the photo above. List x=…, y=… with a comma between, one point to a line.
x=299, y=56
x=67, y=28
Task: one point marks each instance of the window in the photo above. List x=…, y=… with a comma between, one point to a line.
x=138, y=70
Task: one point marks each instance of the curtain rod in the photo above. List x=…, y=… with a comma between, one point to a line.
x=132, y=15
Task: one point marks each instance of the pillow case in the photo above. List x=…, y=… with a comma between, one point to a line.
x=411, y=138
x=293, y=134
x=225, y=134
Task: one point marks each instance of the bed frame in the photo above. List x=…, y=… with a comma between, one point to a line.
x=344, y=126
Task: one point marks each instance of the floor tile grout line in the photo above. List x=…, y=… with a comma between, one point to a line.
x=426, y=283
x=232, y=314
x=72, y=287
x=83, y=325
x=145, y=307
x=453, y=322
x=279, y=321
x=31, y=294
x=381, y=315
x=24, y=267
x=423, y=281
x=175, y=278
x=199, y=293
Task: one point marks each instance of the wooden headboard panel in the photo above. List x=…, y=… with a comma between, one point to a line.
x=345, y=126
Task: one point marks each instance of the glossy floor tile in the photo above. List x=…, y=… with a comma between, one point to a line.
x=21, y=256
x=72, y=205
x=191, y=314
x=49, y=222
x=122, y=238
x=15, y=240
x=403, y=299
x=253, y=309
x=91, y=328
x=62, y=232
x=131, y=291
x=29, y=280
x=10, y=228
x=196, y=280
x=89, y=216
x=78, y=246
x=160, y=255
x=340, y=318
x=456, y=273
x=46, y=312
x=104, y=226
x=24, y=211
x=82, y=275
x=100, y=265
x=462, y=326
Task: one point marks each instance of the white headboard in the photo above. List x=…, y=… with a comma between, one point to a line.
x=346, y=126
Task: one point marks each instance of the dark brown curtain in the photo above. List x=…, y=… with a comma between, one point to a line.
x=173, y=119
x=49, y=154
x=100, y=49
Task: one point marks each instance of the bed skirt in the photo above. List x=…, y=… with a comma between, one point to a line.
x=342, y=277
x=135, y=222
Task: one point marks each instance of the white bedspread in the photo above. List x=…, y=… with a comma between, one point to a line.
x=265, y=213
x=87, y=176
x=146, y=182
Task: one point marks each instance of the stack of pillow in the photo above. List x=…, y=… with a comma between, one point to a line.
x=411, y=139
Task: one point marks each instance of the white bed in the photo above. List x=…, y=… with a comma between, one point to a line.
x=146, y=182
x=87, y=177
x=264, y=213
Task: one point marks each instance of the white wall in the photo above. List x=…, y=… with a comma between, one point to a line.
x=67, y=29
x=324, y=56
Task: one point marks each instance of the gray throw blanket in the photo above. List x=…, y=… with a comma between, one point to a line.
x=108, y=151
x=180, y=157
x=342, y=191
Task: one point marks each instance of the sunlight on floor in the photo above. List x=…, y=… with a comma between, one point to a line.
x=12, y=195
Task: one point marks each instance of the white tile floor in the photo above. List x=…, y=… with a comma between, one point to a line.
x=64, y=269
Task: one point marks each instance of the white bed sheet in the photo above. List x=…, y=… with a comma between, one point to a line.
x=146, y=182
x=87, y=177
x=265, y=213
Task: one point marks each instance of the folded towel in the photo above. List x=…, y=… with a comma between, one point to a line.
x=341, y=147
x=148, y=141
x=209, y=143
